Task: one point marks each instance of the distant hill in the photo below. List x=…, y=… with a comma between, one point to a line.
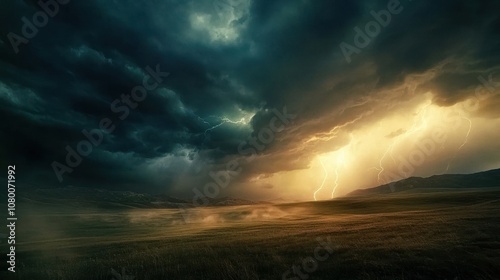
x=77, y=196
x=486, y=179
x=228, y=201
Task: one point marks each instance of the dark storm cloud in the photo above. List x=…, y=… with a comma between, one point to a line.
x=283, y=53
x=453, y=39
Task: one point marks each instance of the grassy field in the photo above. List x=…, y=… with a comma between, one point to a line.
x=414, y=235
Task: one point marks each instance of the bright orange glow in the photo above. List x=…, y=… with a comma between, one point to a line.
x=397, y=146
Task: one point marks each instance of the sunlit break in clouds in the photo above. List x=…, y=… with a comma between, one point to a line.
x=251, y=99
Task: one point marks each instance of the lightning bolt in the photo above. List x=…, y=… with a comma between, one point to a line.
x=468, y=133
x=464, y=142
x=340, y=164
x=202, y=120
x=324, y=179
x=241, y=121
x=336, y=184
x=213, y=127
x=390, y=148
x=418, y=124
x=223, y=120
x=326, y=136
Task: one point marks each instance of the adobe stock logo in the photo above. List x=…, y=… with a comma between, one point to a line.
x=310, y=264
x=39, y=20
x=122, y=107
x=362, y=38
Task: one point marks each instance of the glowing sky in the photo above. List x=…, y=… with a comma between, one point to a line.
x=420, y=99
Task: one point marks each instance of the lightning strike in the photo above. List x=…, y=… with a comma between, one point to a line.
x=418, y=124
x=224, y=120
x=463, y=144
x=326, y=136
x=468, y=133
x=341, y=162
x=324, y=179
x=213, y=127
x=336, y=184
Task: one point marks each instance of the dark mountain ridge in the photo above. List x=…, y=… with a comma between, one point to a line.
x=485, y=179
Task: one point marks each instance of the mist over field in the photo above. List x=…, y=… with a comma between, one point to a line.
x=415, y=235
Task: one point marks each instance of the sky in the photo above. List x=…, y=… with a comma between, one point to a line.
x=295, y=99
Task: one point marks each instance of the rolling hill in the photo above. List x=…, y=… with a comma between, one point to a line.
x=486, y=179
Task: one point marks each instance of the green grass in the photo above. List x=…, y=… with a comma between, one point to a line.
x=438, y=235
